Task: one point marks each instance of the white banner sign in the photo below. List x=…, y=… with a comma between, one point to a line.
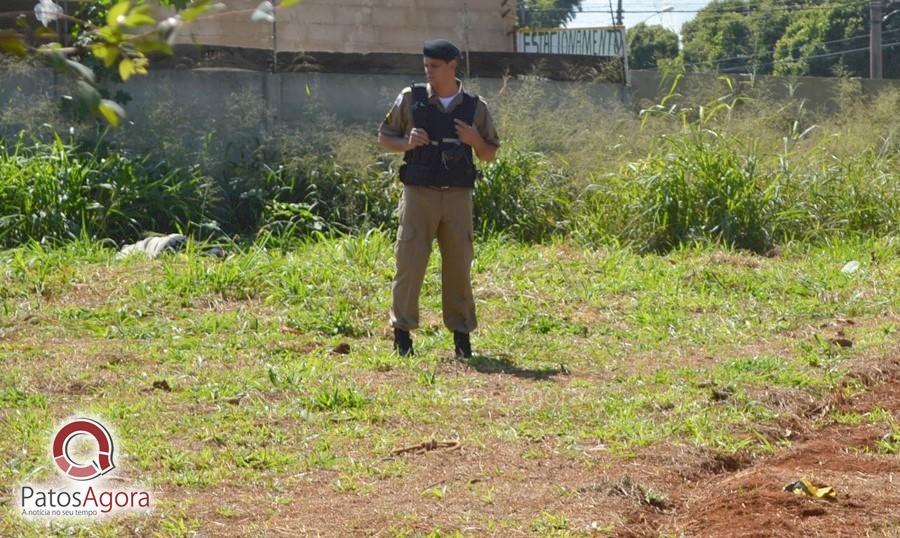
x=580, y=41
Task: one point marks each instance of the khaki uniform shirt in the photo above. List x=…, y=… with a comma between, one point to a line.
x=399, y=119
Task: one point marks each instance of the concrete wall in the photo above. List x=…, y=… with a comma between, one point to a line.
x=362, y=26
x=290, y=98
x=182, y=107
x=190, y=103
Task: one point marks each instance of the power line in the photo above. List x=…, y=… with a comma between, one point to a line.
x=649, y=4
x=811, y=57
x=750, y=13
x=643, y=12
x=741, y=10
x=767, y=52
x=721, y=5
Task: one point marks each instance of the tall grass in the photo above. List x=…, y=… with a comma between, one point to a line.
x=737, y=168
x=56, y=191
x=721, y=172
x=525, y=196
x=694, y=188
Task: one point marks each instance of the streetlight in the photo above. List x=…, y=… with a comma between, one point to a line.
x=666, y=9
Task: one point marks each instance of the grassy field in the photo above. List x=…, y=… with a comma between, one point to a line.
x=670, y=328
x=609, y=392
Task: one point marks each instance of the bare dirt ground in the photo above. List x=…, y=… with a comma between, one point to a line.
x=519, y=489
x=749, y=501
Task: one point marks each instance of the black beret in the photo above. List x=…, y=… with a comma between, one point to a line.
x=440, y=49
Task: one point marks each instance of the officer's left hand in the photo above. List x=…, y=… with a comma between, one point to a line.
x=467, y=134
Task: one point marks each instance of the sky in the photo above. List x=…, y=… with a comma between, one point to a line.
x=596, y=12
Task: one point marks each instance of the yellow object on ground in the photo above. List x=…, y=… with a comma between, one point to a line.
x=806, y=487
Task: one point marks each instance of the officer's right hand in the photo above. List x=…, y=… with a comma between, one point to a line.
x=418, y=137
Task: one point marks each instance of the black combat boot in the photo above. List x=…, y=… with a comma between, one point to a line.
x=403, y=342
x=462, y=344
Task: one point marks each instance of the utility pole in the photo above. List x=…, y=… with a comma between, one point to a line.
x=466, y=35
x=269, y=80
x=619, y=21
x=64, y=27
x=274, y=45
x=875, y=39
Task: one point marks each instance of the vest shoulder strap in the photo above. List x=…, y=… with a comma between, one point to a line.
x=419, y=104
x=468, y=107
x=419, y=93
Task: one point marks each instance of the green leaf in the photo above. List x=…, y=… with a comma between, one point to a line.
x=111, y=34
x=288, y=3
x=149, y=45
x=111, y=111
x=140, y=20
x=46, y=33
x=195, y=11
x=140, y=64
x=13, y=43
x=88, y=95
x=57, y=59
x=177, y=4
x=107, y=53
x=118, y=10
x=81, y=70
x=140, y=16
x=126, y=68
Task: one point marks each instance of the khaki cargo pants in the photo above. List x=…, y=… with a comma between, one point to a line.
x=426, y=213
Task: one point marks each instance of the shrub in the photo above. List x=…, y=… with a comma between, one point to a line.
x=56, y=191
x=693, y=188
x=522, y=195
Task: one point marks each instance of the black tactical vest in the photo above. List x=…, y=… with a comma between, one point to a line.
x=445, y=162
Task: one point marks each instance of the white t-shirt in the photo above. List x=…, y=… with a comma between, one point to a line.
x=445, y=101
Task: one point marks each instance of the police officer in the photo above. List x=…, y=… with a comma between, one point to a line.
x=438, y=126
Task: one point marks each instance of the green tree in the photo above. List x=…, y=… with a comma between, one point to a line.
x=108, y=36
x=647, y=44
x=789, y=37
x=834, y=42
x=547, y=13
x=735, y=35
